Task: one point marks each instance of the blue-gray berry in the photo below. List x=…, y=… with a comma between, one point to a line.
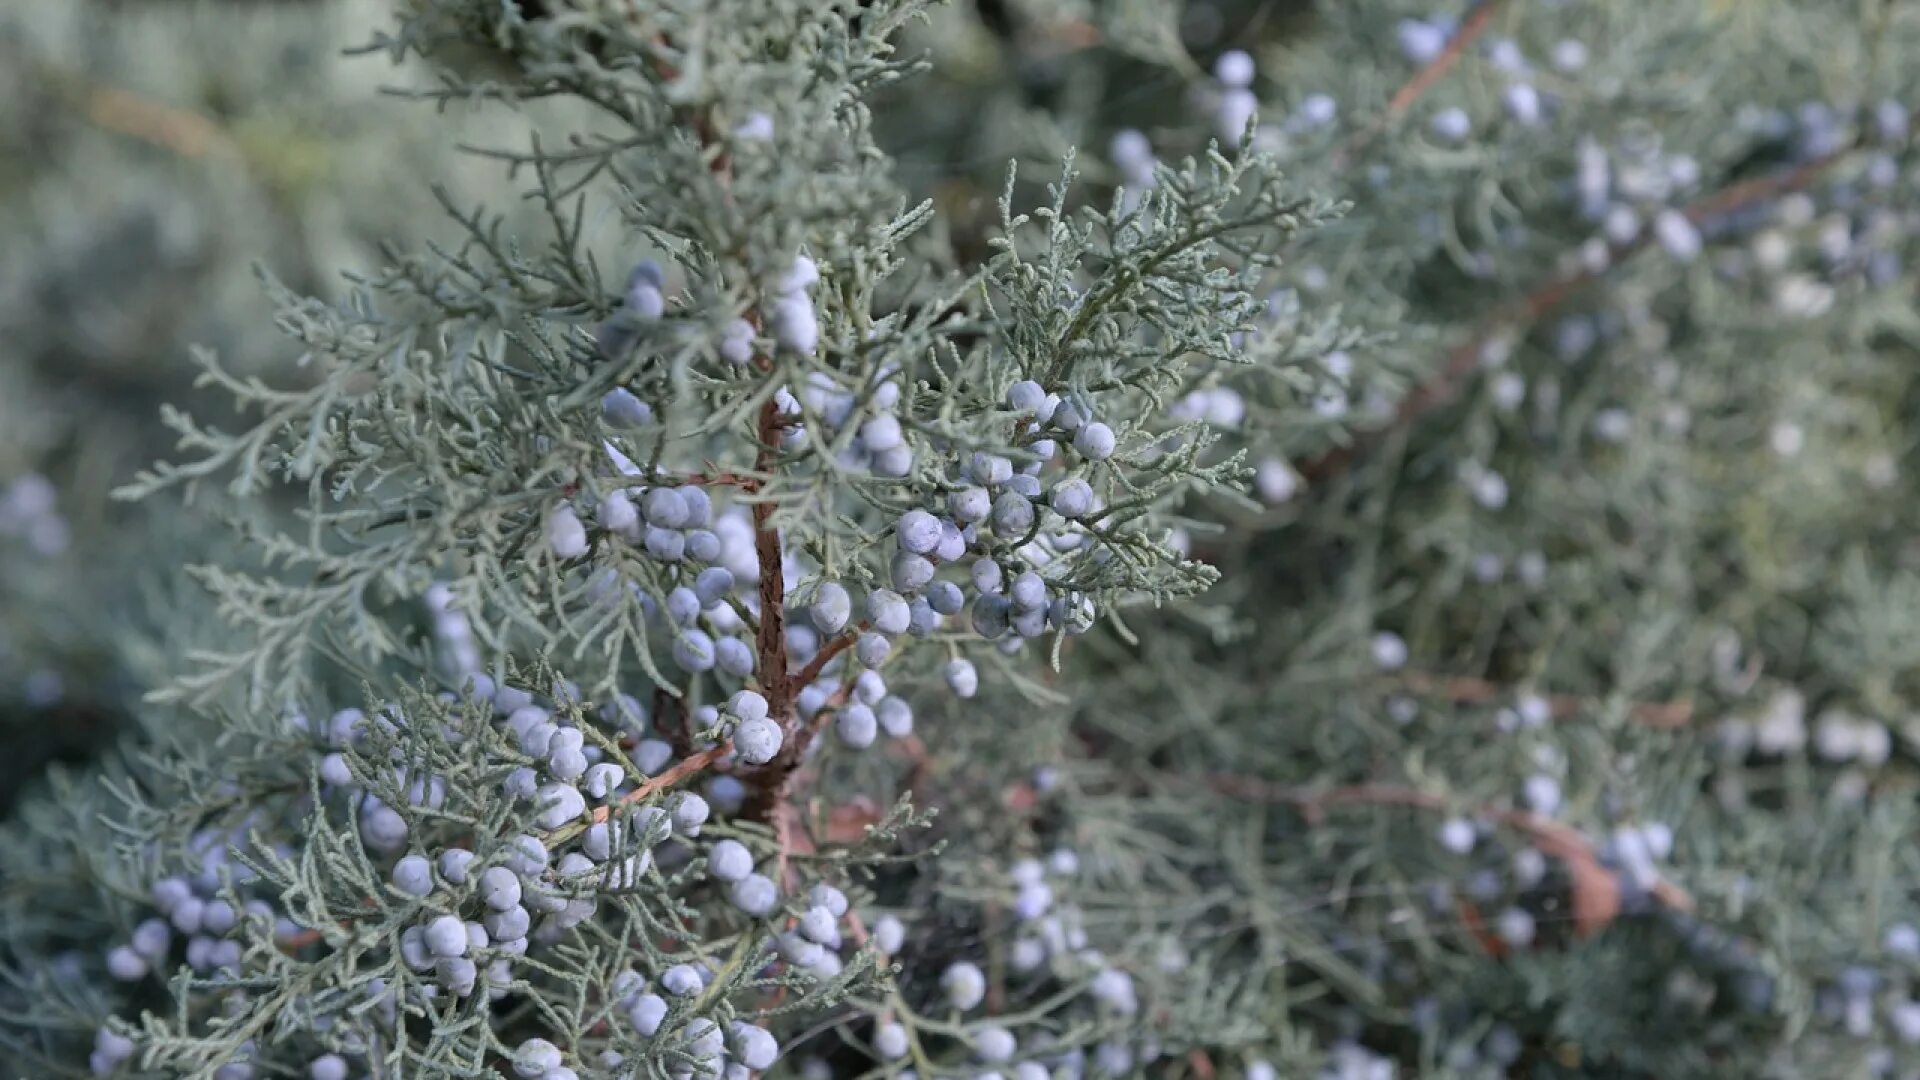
x=646, y=1014
x=890, y=1041
x=1012, y=514
x=896, y=717
x=872, y=649
x=681, y=980
x=1071, y=497
x=1029, y=591
x=619, y=408
x=888, y=611
x=831, y=608
x=910, y=573
x=747, y=705
x=1026, y=396
x=856, y=726
x=702, y=546
x=508, y=923
x=1095, y=441
x=961, y=677
x=986, y=575
x=964, y=985
x=969, y=504
x=713, y=585
x=500, y=888
x=665, y=508
x=917, y=532
x=946, y=598
x=534, y=1057
x=757, y=740
x=446, y=935
x=684, y=605
x=729, y=861
x=693, y=650
x=690, y=811
x=753, y=1046
x=734, y=657
x=754, y=894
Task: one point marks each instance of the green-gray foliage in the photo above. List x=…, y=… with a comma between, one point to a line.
x=1488, y=653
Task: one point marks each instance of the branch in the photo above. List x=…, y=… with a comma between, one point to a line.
x=1410, y=92
x=174, y=129
x=1466, y=690
x=1462, y=360
x=805, y=677
x=1596, y=890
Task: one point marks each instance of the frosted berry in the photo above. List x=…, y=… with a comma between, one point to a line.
x=856, y=726
x=753, y=1046
x=918, y=532
x=665, y=508
x=910, y=573
x=1233, y=68
x=888, y=934
x=961, y=678
x=1389, y=651
x=681, y=980
x=729, y=861
x=890, y=1041
x=754, y=894
x=895, y=716
x=500, y=888
x=126, y=965
x=413, y=875
x=994, y=1044
x=970, y=504
x=757, y=740
x=693, y=651
x=646, y=1014
x=945, y=598
x=534, y=1057
x=747, y=705
x=690, y=811
x=831, y=608
x=1029, y=591
x=566, y=537
x=964, y=985
x=619, y=408
x=872, y=649
x=1071, y=498
x=1451, y=125
x=881, y=433
x=1012, y=514
x=734, y=657
x=888, y=611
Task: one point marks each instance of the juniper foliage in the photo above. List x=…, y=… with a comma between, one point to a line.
x=1359, y=569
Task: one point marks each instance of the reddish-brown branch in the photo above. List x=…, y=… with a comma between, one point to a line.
x=773, y=580
x=722, y=479
x=1596, y=890
x=1466, y=690
x=821, y=659
x=177, y=130
x=1430, y=73
x=681, y=770
x=1461, y=361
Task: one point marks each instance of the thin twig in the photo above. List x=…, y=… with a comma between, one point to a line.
x=1467, y=690
x=1596, y=890
x=1462, y=360
x=1410, y=92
